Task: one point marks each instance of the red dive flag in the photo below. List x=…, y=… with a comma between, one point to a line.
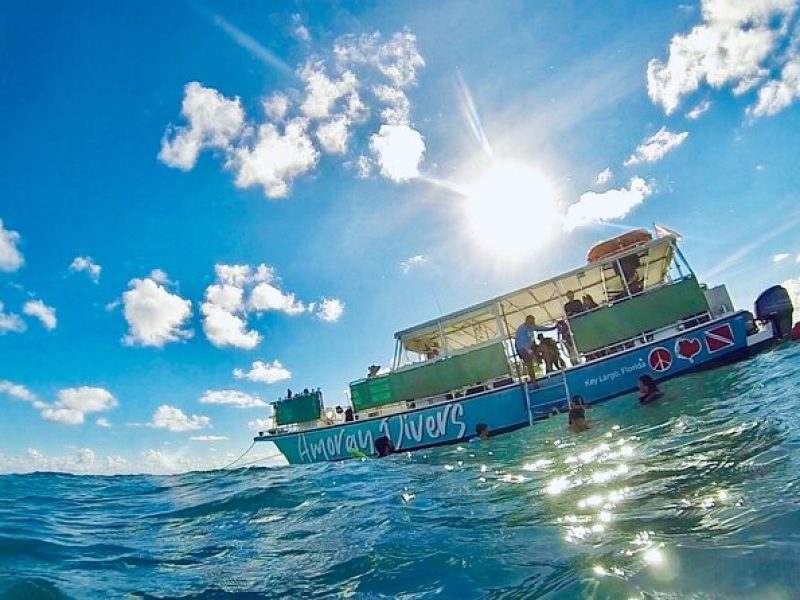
x=662, y=231
x=719, y=338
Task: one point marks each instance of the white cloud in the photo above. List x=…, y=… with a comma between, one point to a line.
x=363, y=166
x=15, y=390
x=226, y=296
x=604, y=176
x=103, y=422
x=223, y=310
x=730, y=47
x=34, y=454
x=74, y=404
x=232, y=398
x=46, y=314
x=780, y=257
x=656, y=146
x=797, y=260
x=398, y=110
x=264, y=372
x=330, y=309
x=85, y=263
x=322, y=92
x=236, y=275
x=266, y=296
x=259, y=424
x=760, y=167
x=154, y=315
x=214, y=122
x=224, y=328
x=333, y=135
x=398, y=150
x=10, y=256
x=699, y=110
x=277, y=106
x=596, y=207
x=777, y=94
x=274, y=159
x=299, y=30
x=414, y=261
x=208, y=438
x=398, y=59
x=273, y=153
x=159, y=276
x=84, y=456
x=174, y=419
x=9, y=322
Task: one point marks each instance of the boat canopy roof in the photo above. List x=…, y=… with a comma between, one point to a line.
x=500, y=316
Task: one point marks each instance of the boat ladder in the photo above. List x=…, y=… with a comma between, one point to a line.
x=551, y=394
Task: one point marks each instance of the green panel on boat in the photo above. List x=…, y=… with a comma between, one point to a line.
x=628, y=318
x=430, y=379
x=298, y=409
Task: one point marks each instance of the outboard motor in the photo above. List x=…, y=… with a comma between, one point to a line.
x=774, y=304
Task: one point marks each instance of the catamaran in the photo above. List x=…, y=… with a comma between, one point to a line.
x=646, y=313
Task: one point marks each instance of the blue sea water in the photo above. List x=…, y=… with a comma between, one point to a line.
x=695, y=496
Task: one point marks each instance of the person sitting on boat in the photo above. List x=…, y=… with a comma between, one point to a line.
x=372, y=370
x=548, y=350
x=526, y=347
x=384, y=446
x=573, y=305
x=348, y=414
x=431, y=351
x=648, y=390
x=577, y=415
x=588, y=302
x=628, y=270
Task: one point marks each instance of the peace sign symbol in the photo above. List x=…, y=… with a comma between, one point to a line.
x=660, y=359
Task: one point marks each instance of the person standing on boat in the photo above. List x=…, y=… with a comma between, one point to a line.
x=525, y=345
x=573, y=306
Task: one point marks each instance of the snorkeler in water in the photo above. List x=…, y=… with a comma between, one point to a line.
x=648, y=390
x=577, y=415
x=384, y=446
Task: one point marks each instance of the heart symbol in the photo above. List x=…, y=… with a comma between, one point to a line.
x=687, y=348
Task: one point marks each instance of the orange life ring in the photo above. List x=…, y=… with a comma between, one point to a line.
x=617, y=244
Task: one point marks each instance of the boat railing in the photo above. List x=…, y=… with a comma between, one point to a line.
x=646, y=337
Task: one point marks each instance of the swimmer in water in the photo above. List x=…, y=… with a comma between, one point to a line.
x=577, y=415
x=384, y=446
x=648, y=390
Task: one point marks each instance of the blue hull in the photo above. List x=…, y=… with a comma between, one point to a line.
x=720, y=341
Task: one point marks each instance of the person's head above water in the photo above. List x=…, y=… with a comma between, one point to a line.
x=647, y=385
x=384, y=446
x=482, y=429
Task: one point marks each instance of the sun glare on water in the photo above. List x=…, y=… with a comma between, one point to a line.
x=511, y=210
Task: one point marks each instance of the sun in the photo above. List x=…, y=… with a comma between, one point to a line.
x=511, y=209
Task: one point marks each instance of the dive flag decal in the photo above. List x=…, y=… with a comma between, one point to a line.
x=719, y=338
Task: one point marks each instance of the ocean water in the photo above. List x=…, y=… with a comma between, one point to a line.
x=693, y=497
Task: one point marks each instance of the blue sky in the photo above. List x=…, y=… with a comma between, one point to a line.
x=192, y=192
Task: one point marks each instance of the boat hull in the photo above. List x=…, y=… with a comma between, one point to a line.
x=501, y=410
x=708, y=345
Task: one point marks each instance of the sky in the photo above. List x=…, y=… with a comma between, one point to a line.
x=204, y=204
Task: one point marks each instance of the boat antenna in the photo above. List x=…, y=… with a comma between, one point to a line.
x=436, y=299
x=445, y=349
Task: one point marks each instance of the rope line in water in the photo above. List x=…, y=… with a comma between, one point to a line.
x=229, y=465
